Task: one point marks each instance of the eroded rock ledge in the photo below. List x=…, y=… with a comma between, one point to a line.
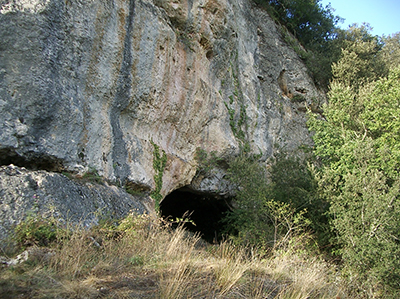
x=73, y=201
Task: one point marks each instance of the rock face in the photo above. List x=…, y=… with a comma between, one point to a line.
x=76, y=202
x=115, y=85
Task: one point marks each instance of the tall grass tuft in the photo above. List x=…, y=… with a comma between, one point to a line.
x=231, y=264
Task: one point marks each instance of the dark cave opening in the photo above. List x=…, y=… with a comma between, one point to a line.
x=205, y=210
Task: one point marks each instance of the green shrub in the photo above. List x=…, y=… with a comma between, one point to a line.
x=93, y=176
x=261, y=215
x=36, y=230
x=134, y=222
x=207, y=161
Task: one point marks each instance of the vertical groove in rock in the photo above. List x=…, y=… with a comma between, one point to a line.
x=121, y=101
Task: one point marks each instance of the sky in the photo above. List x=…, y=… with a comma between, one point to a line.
x=382, y=15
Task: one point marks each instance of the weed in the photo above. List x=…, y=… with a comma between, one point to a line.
x=176, y=285
x=137, y=260
x=36, y=230
x=93, y=176
x=298, y=98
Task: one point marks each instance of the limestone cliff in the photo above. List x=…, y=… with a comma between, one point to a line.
x=110, y=85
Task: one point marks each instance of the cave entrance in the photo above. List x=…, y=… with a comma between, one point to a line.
x=206, y=211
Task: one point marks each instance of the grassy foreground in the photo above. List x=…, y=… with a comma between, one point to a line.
x=143, y=257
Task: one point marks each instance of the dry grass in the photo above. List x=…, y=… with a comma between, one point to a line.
x=230, y=266
x=307, y=274
x=174, y=283
x=145, y=259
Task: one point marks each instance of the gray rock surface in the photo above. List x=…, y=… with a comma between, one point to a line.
x=77, y=202
x=100, y=84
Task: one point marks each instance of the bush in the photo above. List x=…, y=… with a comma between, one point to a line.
x=36, y=230
x=262, y=215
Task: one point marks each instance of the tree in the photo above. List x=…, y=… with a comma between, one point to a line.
x=358, y=143
x=361, y=59
x=391, y=50
x=308, y=20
